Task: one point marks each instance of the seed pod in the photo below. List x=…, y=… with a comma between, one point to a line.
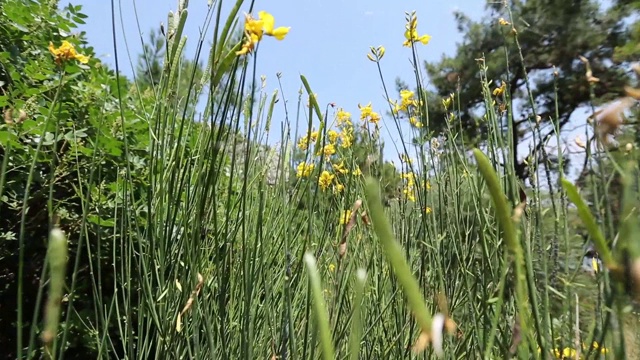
x=57, y=254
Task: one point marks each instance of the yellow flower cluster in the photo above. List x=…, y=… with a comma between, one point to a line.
x=408, y=105
x=304, y=169
x=335, y=170
x=254, y=29
x=570, y=353
x=367, y=114
x=325, y=180
x=66, y=52
x=409, y=189
x=409, y=186
x=411, y=32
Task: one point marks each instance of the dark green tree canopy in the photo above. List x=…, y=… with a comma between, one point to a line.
x=542, y=42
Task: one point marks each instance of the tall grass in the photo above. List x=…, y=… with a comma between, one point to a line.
x=227, y=254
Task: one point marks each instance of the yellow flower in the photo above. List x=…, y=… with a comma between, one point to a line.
x=396, y=107
x=411, y=32
x=66, y=52
x=414, y=122
x=406, y=95
x=304, y=169
x=340, y=168
x=365, y=111
x=332, y=267
x=343, y=117
x=338, y=188
x=325, y=180
x=427, y=210
x=255, y=28
x=269, y=22
x=503, y=22
x=314, y=136
x=568, y=353
x=410, y=177
x=328, y=150
x=500, y=90
x=347, y=139
x=356, y=171
x=333, y=136
x=374, y=118
x=427, y=185
x=303, y=143
x=408, y=192
x=344, y=218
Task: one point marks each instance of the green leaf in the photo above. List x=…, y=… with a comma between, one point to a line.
x=95, y=219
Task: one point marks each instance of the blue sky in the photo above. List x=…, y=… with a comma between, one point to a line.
x=328, y=43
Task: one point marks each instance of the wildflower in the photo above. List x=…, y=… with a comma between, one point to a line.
x=303, y=143
x=427, y=210
x=407, y=98
x=254, y=29
x=568, y=353
x=396, y=107
x=338, y=188
x=314, y=136
x=409, y=193
x=405, y=159
x=347, y=139
x=503, y=22
x=328, y=150
x=325, y=180
x=500, y=90
x=414, y=122
x=374, y=118
x=343, y=117
x=427, y=184
x=332, y=268
x=66, y=52
x=356, y=171
x=410, y=177
x=304, y=169
x=279, y=33
x=411, y=32
x=340, y=168
x=333, y=136
x=367, y=113
x=376, y=54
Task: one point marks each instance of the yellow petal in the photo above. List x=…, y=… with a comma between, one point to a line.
x=424, y=39
x=82, y=58
x=254, y=27
x=280, y=32
x=268, y=21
